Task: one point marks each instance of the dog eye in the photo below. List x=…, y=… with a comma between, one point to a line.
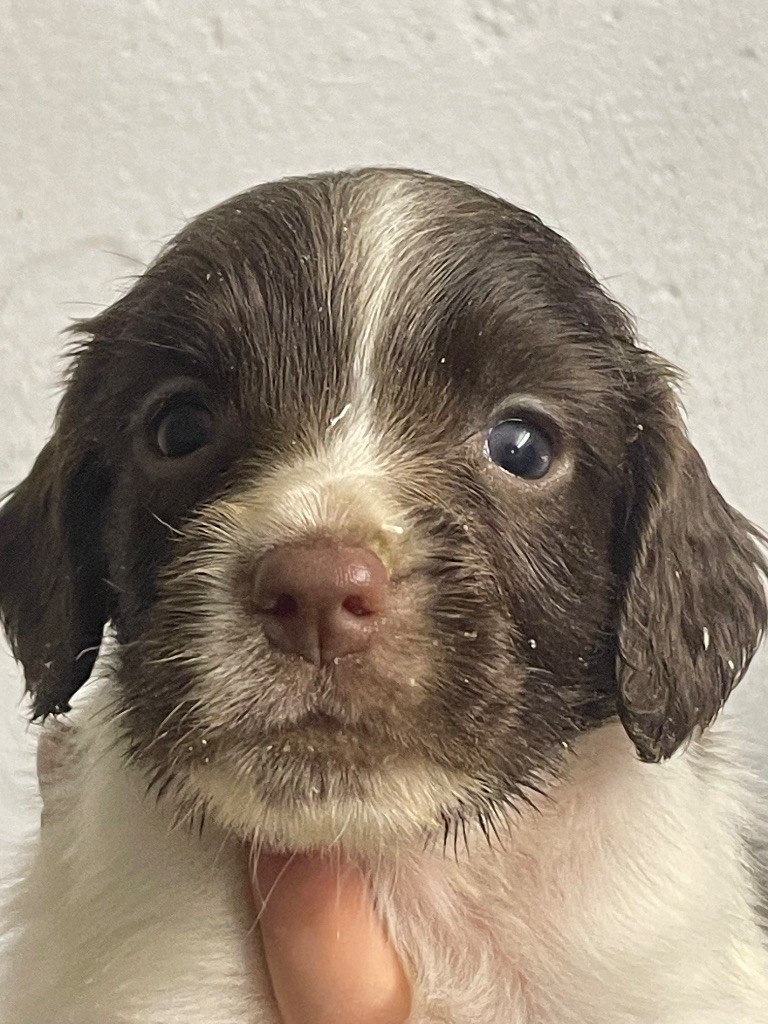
x=184, y=429
x=521, y=448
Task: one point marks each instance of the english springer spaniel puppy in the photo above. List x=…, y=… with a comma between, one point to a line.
x=402, y=551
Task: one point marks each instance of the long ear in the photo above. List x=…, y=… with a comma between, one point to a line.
x=694, y=607
x=53, y=595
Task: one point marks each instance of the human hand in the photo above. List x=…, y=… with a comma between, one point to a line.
x=329, y=959
x=54, y=754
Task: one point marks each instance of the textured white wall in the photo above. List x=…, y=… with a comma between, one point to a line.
x=636, y=127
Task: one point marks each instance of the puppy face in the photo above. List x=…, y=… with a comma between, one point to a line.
x=404, y=368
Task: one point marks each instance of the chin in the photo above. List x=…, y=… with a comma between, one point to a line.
x=400, y=807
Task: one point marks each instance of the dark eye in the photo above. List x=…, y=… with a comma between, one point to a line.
x=521, y=448
x=183, y=429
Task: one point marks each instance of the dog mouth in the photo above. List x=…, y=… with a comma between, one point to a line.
x=320, y=782
x=369, y=701
x=272, y=746
x=307, y=790
x=314, y=755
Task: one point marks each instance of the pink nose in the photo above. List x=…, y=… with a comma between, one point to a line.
x=320, y=601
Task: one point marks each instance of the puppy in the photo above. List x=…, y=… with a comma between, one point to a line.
x=403, y=551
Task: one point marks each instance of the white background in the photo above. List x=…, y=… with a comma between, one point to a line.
x=636, y=127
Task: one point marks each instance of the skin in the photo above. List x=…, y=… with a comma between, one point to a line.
x=329, y=958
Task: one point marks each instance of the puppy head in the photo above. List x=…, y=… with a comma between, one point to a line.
x=385, y=507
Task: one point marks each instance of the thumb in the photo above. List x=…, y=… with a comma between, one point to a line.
x=328, y=955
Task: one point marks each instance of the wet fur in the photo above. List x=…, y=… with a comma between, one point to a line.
x=356, y=335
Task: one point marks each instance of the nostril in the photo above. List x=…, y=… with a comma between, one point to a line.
x=357, y=605
x=320, y=601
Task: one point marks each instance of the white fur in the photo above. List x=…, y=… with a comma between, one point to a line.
x=383, y=230
x=621, y=900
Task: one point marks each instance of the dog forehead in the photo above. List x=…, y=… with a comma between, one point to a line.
x=396, y=293
x=364, y=272
x=370, y=300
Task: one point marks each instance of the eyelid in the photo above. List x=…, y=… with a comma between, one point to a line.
x=176, y=401
x=162, y=399
x=529, y=407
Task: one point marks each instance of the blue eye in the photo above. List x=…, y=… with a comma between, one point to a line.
x=520, y=448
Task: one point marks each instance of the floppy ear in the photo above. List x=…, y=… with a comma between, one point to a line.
x=694, y=607
x=53, y=595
